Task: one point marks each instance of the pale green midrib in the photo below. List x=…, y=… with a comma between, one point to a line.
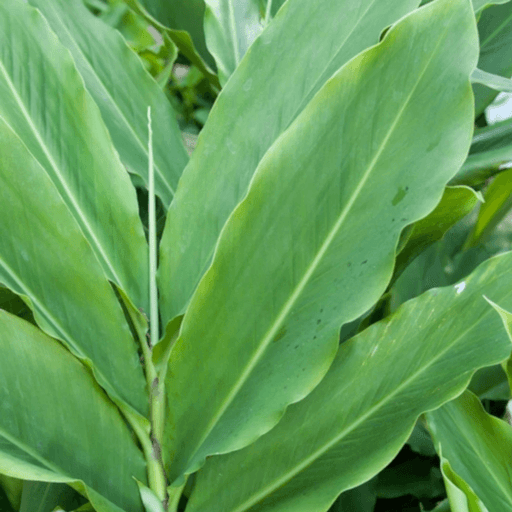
x=112, y=102
x=322, y=450
x=29, y=451
x=271, y=333
x=506, y=491
x=211, y=253
x=82, y=220
x=336, y=439
x=234, y=34
x=496, y=32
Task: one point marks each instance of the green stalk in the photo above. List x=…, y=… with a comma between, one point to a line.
x=268, y=12
x=156, y=474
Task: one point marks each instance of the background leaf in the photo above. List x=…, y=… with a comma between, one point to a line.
x=303, y=253
x=231, y=26
x=123, y=90
x=477, y=446
x=495, y=30
x=182, y=20
x=46, y=496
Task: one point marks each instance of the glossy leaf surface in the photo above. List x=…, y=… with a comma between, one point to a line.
x=123, y=90
x=303, y=253
x=51, y=264
x=355, y=421
x=263, y=97
x=478, y=447
x=42, y=97
x=57, y=425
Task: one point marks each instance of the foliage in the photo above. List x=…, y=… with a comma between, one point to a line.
x=254, y=256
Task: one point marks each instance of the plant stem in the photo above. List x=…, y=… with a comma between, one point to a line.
x=174, y=497
x=268, y=12
x=156, y=473
x=153, y=290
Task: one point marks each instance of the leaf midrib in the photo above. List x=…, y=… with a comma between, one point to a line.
x=107, y=92
x=327, y=446
x=211, y=253
x=81, y=217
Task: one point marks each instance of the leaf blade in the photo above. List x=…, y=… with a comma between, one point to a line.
x=64, y=283
x=239, y=132
x=75, y=149
x=45, y=435
x=292, y=263
x=123, y=108
x=355, y=421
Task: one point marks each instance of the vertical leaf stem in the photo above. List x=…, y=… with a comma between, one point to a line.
x=156, y=474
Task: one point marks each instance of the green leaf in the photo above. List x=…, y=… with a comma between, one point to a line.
x=495, y=30
x=263, y=97
x=57, y=425
x=13, y=488
x=414, y=476
x=477, y=446
x=51, y=265
x=123, y=91
x=43, y=99
x=490, y=383
x=45, y=496
x=359, y=499
x=461, y=497
x=355, y=421
x=498, y=202
x=303, y=253
x=231, y=26
x=182, y=20
x=491, y=151
x=455, y=204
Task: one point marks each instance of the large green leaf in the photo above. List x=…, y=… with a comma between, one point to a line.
x=231, y=26
x=495, y=29
x=265, y=94
x=43, y=99
x=45, y=258
x=123, y=91
x=57, y=425
x=307, y=251
x=355, y=421
x=477, y=446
